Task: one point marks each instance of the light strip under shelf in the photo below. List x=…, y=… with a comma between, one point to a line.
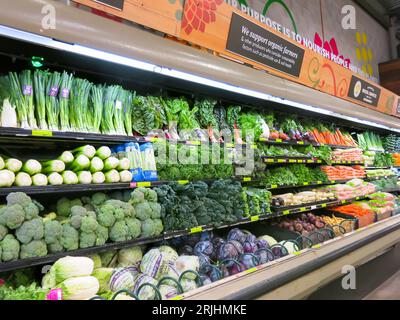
x=130, y=62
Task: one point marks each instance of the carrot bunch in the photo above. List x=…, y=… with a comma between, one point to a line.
x=353, y=210
x=333, y=138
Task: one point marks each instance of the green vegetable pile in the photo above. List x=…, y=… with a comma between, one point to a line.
x=383, y=160
x=323, y=153
x=196, y=204
x=84, y=165
x=384, y=184
x=257, y=201
x=392, y=143
x=79, y=223
x=185, y=162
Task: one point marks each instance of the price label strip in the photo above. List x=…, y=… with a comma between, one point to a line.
x=42, y=133
x=196, y=230
x=254, y=218
x=246, y=179
x=144, y=184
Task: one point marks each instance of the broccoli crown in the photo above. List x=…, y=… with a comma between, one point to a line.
x=150, y=195
x=134, y=226
x=78, y=211
x=98, y=198
x=3, y=232
x=35, y=248
x=148, y=228
x=10, y=248
x=155, y=210
x=105, y=215
x=143, y=211
x=70, y=237
x=30, y=230
x=114, y=210
x=12, y=216
x=18, y=198
x=87, y=240
x=101, y=235
x=31, y=211
x=137, y=196
x=64, y=206
x=119, y=232
x=53, y=231
x=158, y=226
x=89, y=224
x=55, y=247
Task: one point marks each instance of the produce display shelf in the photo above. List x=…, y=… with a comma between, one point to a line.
x=301, y=143
x=377, y=168
x=282, y=160
x=348, y=162
x=30, y=262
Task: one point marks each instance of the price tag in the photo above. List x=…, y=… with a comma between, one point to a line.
x=193, y=143
x=297, y=253
x=319, y=182
x=300, y=161
x=278, y=140
x=251, y=270
x=269, y=160
x=317, y=246
x=254, y=146
x=306, y=184
x=344, y=201
x=255, y=218
x=263, y=140
x=333, y=181
x=42, y=133
x=152, y=139
x=246, y=179
x=285, y=213
x=183, y=181
x=300, y=142
x=177, y=298
x=144, y=184
x=302, y=209
x=281, y=160
x=319, y=161
x=324, y=205
x=310, y=161
x=292, y=161
x=133, y=185
x=313, y=207
x=230, y=145
x=358, y=198
x=274, y=186
x=196, y=230
x=118, y=105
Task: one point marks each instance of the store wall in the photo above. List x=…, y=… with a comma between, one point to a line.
x=321, y=22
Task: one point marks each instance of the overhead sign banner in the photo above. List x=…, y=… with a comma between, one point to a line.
x=251, y=41
x=363, y=91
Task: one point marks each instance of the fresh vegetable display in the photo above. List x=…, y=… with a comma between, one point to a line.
x=343, y=172
x=370, y=141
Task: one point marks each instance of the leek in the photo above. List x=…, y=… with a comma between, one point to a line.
x=53, y=166
x=111, y=163
x=32, y=167
x=96, y=108
x=128, y=110
x=103, y=152
x=79, y=104
x=96, y=164
x=88, y=151
x=119, y=114
x=110, y=96
x=67, y=157
x=13, y=165
x=112, y=176
x=39, y=180
x=22, y=179
x=52, y=104
x=55, y=179
x=80, y=163
x=7, y=178
x=70, y=177
x=84, y=177
x=98, y=177
x=18, y=100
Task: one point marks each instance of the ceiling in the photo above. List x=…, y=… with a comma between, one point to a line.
x=381, y=10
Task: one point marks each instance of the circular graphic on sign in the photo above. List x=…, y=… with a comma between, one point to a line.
x=357, y=89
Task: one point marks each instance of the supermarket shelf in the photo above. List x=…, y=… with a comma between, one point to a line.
x=302, y=143
x=298, y=275
x=377, y=168
x=282, y=160
x=30, y=262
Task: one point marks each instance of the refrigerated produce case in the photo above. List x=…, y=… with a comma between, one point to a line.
x=102, y=50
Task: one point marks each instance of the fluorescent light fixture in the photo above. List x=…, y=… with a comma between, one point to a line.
x=111, y=57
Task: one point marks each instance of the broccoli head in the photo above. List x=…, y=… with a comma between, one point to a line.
x=89, y=224
x=18, y=198
x=3, y=232
x=155, y=210
x=101, y=235
x=158, y=226
x=105, y=215
x=137, y=196
x=134, y=226
x=70, y=237
x=87, y=240
x=113, y=210
x=64, y=206
x=150, y=195
x=12, y=216
x=143, y=211
x=119, y=231
x=30, y=230
x=53, y=231
x=98, y=198
x=77, y=215
x=35, y=248
x=10, y=248
x=55, y=247
x=148, y=228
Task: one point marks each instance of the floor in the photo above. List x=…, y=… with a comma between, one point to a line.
x=377, y=279
x=389, y=290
